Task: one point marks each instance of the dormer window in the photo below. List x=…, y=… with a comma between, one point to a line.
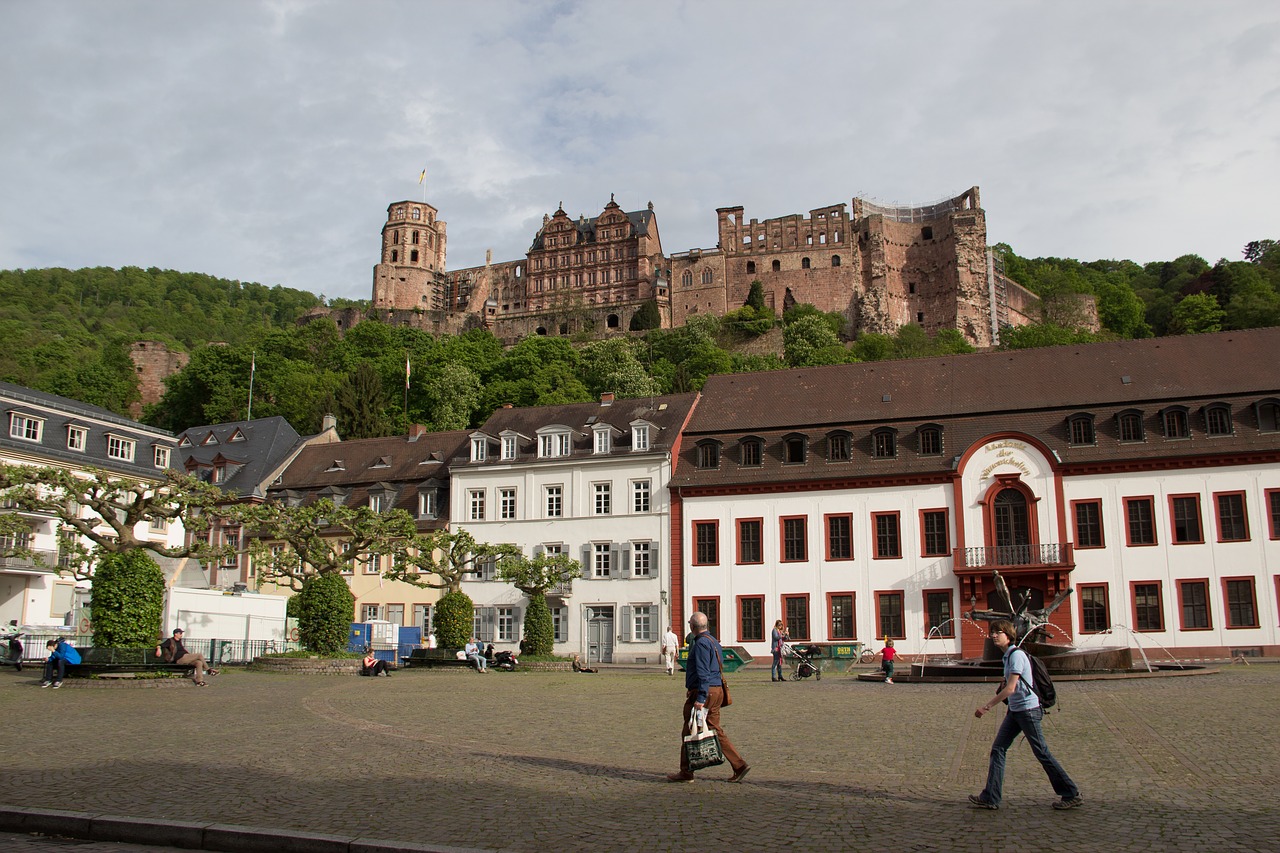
x=237, y=436
x=929, y=439
x=219, y=473
x=793, y=449
x=751, y=452
x=510, y=446
x=1080, y=429
x=25, y=427
x=77, y=438
x=337, y=465
x=378, y=502
x=1129, y=426
x=602, y=443
x=839, y=446
x=479, y=449
x=160, y=456
x=709, y=454
x=209, y=439
x=1268, y=415
x=554, y=444
x=639, y=436
x=1175, y=423
x=119, y=447
x=1217, y=419
x=185, y=441
x=884, y=443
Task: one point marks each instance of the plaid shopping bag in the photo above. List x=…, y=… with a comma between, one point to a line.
x=701, y=745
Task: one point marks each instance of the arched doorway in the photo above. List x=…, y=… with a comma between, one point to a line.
x=1011, y=523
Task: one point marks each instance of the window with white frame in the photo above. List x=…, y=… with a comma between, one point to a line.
x=642, y=623
x=555, y=501
x=509, y=446
x=506, y=504
x=603, y=498
x=161, y=457
x=479, y=449
x=475, y=502
x=640, y=437
x=377, y=501
x=506, y=625
x=560, y=623
x=25, y=428
x=77, y=437
x=602, y=559
x=642, y=559
x=640, y=494
x=370, y=612
x=602, y=441
x=158, y=524
x=426, y=504
x=553, y=444
x=119, y=447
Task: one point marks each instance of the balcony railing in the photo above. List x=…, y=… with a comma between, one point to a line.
x=42, y=560
x=1015, y=556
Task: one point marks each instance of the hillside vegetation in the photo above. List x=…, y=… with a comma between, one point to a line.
x=68, y=332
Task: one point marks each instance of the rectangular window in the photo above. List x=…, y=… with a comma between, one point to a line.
x=1233, y=526
x=602, y=441
x=1184, y=519
x=795, y=546
x=158, y=525
x=711, y=607
x=939, y=615
x=602, y=559
x=422, y=618
x=642, y=559
x=1088, y=515
x=1148, y=610
x=838, y=448
x=603, y=498
x=370, y=612
x=375, y=502
x=795, y=612
x=750, y=454
x=426, y=504
x=506, y=628
x=935, y=538
x=709, y=455
x=161, y=457
x=560, y=623
x=555, y=501
x=479, y=449
x=506, y=504
x=1241, y=605
x=1095, y=611
x=706, y=543
x=509, y=447
x=120, y=448
x=1140, y=517
x=751, y=619
x=25, y=428
x=842, y=625
x=750, y=531
x=475, y=499
x=640, y=438
x=1273, y=511
x=76, y=438
x=1193, y=605
x=840, y=537
x=641, y=493
x=395, y=614
x=888, y=537
x=889, y=616
x=642, y=622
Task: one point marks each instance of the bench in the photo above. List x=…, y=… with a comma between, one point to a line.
x=434, y=657
x=100, y=661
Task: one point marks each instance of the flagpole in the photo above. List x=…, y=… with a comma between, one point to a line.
x=406, y=387
x=253, y=368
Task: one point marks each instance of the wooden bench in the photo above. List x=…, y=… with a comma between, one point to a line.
x=435, y=657
x=96, y=661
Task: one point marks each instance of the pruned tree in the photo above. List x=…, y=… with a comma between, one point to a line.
x=447, y=555
x=534, y=577
x=116, y=506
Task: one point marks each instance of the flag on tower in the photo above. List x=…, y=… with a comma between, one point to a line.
x=406, y=372
x=423, y=176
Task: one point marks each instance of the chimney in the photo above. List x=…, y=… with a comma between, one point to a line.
x=328, y=422
x=606, y=398
x=416, y=431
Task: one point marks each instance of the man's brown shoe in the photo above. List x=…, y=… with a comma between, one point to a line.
x=739, y=775
x=680, y=777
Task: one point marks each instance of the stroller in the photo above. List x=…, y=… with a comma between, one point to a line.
x=804, y=661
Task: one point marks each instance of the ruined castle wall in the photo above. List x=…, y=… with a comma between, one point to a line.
x=154, y=363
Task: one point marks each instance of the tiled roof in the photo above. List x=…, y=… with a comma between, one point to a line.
x=253, y=448
x=973, y=396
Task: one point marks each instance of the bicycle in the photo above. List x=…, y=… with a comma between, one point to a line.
x=869, y=655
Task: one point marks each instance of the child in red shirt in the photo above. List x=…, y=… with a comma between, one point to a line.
x=889, y=654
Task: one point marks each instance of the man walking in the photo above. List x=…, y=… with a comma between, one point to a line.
x=704, y=688
x=173, y=651
x=1024, y=716
x=670, y=643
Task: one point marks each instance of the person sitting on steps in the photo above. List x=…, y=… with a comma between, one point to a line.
x=372, y=666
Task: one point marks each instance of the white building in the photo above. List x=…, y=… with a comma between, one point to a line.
x=862, y=501
x=589, y=480
x=42, y=429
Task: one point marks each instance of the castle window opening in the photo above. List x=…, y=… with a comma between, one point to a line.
x=808, y=240
x=836, y=238
x=416, y=213
x=395, y=238
x=541, y=330
x=413, y=256
x=804, y=263
x=746, y=240
x=395, y=256
x=926, y=233
x=822, y=239
x=612, y=321
x=777, y=266
x=911, y=287
x=415, y=238
x=519, y=270
x=751, y=266
x=835, y=260
x=564, y=328
x=920, y=317
x=707, y=276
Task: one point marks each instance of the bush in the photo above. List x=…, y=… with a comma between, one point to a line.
x=128, y=600
x=454, y=620
x=647, y=317
x=325, y=608
x=539, y=633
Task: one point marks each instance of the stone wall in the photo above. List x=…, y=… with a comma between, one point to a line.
x=154, y=363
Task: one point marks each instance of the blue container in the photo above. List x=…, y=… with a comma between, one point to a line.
x=361, y=636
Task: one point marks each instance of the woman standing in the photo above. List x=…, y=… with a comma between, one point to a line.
x=775, y=646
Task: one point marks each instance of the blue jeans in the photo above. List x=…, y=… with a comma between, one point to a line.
x=479, y=662
x=1027, y=722
x=58, y=666
x=776, y=671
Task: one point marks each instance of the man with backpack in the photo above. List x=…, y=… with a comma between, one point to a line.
x=1024, y=716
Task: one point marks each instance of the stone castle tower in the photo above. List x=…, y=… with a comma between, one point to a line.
x=410, y=273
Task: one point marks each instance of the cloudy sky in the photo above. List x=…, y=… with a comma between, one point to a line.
x=263, y=141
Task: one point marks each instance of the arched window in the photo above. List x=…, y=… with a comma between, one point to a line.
x=884, y=443
x=417, y=214
x=930, y=438
x=751, y=266
x=777, y=265
x=707, y=276
x=1268, y=411
x=1175, y=423
x=1129, y=426
x=1080, y=429
x=686, y=279
x=804, y=263
x=794, y=448
x=835, y=260
x=1217, y=419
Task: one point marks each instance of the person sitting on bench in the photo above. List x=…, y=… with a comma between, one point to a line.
x=172, y=651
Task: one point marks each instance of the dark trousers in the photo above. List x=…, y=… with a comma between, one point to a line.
x=379, y=667
x=1028, y=723
x=50, y=665
x=715, y=698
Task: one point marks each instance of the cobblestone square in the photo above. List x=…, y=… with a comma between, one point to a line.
x=568, y=762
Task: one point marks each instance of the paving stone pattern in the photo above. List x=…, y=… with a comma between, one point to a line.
x=570, y=762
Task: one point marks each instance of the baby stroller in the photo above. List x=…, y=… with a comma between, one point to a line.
x=804, y=661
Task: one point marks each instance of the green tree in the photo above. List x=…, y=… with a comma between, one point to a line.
x=326, y=607
x=614, y=365
x=646, y=317
x=446, y=555
x=128, y=600
x=1042, y=335
x=755, y=297
x=454, y=619
x=1197, y=314
x=534, y=576
x=453, y=395
x=361, y=404
x=810, y=341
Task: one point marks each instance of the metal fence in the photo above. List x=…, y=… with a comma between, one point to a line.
x=216, y=651
x=1051, y=554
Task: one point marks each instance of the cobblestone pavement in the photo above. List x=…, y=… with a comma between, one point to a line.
x=569, y=762
x=12, y=842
